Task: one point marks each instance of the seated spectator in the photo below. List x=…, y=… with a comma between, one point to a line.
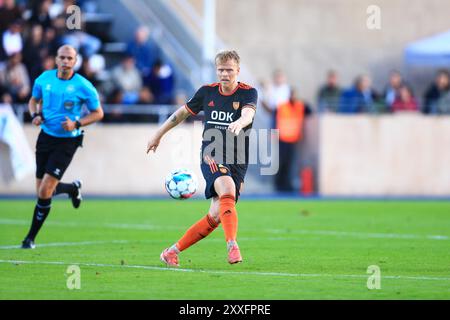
x=12, y=39
x=161, y=83
x=144, y=51
x=145, y=96
x=405, y=100
x=5, y=97
x=443, y=105
x=392, y=89
x=273, y=93
x=87, y=45
x=51, y=42
x=48, y=63
x=9, y=13
x=436, y=91
x=127, y=78
x=276, y=92
x=34, y=51
x=14, y=77
x=360, y=98
x=91, y=67
x=329, y=94
x=40, y=14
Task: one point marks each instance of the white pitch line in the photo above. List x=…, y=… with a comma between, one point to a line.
x=128, y=226
x=66, y=244
x=88, y=243
x=238, y=273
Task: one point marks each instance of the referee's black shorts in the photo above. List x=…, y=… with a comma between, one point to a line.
x=211, y=171
x=53, y=155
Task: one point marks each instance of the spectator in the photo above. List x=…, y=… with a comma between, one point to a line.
x=443, y=105
x=329, y=94
x=144, y=51
x=51, y=42
x=405, y=100
x=48, y=63
x=127, y=78
x=277, y=92
x=9, y=13
x=392, y=91
x=145, y=96
x=436, y=91
x=5, y=97
x=161, y=83
x=14, y=77
x=289, y=121
x=88, y=72
x=360, y=98
x=40, y=14
x=34, y=51
x=86, y=44
x=12, y=40
x=273, y=94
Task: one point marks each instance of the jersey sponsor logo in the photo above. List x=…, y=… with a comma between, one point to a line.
x=57, y=172
x=48, y=87
x=211, y=104
x=68, y=104
x=236, y=105
x=70, y=88
x=222, y=116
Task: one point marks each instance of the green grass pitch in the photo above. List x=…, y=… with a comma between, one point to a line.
x=291, y=249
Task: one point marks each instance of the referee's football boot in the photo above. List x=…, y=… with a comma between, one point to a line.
x=76, y=196
x=28, y=244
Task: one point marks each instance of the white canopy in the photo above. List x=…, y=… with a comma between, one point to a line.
x=432, y=51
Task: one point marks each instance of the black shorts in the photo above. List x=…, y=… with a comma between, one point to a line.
x=211, y=171
x=53, y=155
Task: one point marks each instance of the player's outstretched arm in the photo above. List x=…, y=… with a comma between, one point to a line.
x=176, y=118
x=246, y=118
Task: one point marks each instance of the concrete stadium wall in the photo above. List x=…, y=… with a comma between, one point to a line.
x=114, y=160
x=306, y=38
x=404, y=154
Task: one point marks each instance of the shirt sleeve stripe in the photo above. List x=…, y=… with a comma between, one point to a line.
x=190, y=111
x=249, y=106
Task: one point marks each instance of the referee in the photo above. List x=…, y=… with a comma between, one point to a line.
x=56, y=106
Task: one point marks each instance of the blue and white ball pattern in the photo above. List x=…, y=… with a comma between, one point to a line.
x=181, y=184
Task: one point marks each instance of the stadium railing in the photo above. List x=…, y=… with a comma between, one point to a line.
x=162, y=112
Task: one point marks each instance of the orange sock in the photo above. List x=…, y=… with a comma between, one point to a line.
x=197, y=232
x=228, y=217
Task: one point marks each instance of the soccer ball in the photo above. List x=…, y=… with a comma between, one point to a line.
x=181, y=184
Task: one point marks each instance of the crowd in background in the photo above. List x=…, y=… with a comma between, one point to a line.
x=397, y=95
x=361, y=97
x=32, y=31
x=288, y=112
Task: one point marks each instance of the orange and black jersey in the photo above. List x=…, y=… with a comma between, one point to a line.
x=220, y=110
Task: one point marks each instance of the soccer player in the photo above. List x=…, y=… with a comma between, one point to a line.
x=229, y=107
x=56, y=106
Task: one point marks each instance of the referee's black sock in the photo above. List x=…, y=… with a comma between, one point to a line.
x=68, y=188
x=40, y=214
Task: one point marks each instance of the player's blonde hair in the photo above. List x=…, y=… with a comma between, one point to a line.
x=227, y=55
